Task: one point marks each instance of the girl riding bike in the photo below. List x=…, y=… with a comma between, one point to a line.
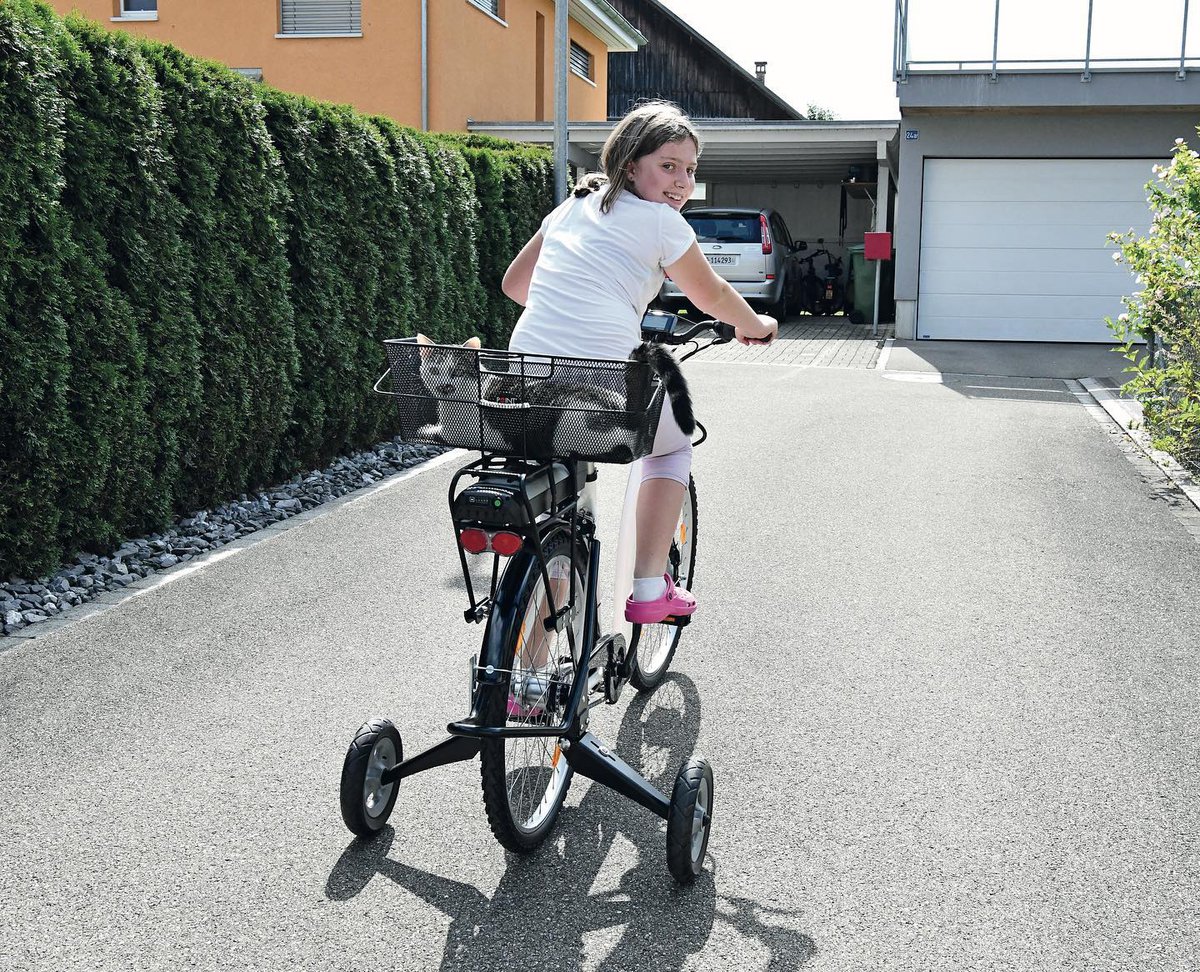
x=585, y=279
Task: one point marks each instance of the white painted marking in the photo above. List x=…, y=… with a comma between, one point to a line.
x=155, y=582
x=391, y=481
x=918, y=376
x=162, y=580
x=881, y=364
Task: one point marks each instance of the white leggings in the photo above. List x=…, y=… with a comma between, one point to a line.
x=671, y=457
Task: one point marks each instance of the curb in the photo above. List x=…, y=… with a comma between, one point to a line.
x=103, y=603
x=1127, y=414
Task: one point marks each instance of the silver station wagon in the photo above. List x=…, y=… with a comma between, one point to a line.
x=753, y=250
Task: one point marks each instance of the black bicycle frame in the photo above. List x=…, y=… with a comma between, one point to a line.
x=502, y=608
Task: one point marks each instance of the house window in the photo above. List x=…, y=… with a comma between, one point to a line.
x=494, y=7
x=581, y=61
x=137, y=10
x=320, y=18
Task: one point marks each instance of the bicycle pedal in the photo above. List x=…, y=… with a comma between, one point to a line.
x=678, y=622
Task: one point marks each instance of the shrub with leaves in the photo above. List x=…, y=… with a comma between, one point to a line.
x=1166, y=312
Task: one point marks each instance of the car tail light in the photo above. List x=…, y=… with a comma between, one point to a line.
x=766, y=233
x=473, y=541
x=770, y=276
x=506, y=544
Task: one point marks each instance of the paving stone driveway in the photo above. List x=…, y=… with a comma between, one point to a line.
x=817, y=342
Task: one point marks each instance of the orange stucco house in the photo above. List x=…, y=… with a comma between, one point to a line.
x=480, y=59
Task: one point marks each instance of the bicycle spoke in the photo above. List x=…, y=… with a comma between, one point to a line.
x=533, y=777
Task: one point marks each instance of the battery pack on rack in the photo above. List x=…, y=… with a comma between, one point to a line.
x=496, y=499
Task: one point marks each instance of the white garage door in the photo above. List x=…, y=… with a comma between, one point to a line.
x=1016, y=249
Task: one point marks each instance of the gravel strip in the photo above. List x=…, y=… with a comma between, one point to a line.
x=28, y=602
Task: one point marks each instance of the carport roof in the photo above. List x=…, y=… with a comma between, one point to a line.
x=738, y=150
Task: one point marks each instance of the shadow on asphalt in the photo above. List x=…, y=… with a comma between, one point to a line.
x=559, y=908
x=988, y=387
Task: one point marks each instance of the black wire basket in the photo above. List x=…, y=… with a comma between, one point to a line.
x=527, y=405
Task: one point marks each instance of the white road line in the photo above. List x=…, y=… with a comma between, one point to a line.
x=881, y=364
x=158, y=580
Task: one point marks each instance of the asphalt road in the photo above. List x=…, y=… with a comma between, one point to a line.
x=945, y=668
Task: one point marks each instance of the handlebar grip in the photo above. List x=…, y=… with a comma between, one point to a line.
x=725, y=332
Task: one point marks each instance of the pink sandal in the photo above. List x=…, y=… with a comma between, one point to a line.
x=673, y=604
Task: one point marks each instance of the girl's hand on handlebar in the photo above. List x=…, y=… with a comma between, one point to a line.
x=769, y=323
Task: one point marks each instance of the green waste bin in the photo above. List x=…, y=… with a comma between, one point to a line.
x=862, y=283
x=861, y=296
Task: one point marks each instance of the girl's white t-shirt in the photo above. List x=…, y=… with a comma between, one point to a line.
x=596, y=273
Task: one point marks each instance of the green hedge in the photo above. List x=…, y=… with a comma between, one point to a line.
x=196, y=272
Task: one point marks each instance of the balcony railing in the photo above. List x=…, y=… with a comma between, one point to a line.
x=1016, y=16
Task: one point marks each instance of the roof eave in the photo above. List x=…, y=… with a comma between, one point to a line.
x=602, y=19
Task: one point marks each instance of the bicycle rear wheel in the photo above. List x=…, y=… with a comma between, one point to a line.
x=525, y=779
x=656, y=642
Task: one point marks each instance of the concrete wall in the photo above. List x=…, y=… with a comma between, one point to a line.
x=478, y=67
x=1122, y=132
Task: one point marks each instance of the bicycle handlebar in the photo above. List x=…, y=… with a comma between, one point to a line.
x=724, y=332
x=662, y=327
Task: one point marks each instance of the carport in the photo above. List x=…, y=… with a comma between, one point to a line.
x=831, y=181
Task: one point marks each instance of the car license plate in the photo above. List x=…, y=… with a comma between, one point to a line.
x=721, y=259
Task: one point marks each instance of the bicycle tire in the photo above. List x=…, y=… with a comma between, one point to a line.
x=525, y=779
x=365, y=801
x=656, y=643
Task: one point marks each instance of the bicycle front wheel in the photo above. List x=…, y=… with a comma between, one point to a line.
x=525, y=779
x=656, y=642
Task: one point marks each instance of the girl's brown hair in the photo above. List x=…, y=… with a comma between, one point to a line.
x=645, y=129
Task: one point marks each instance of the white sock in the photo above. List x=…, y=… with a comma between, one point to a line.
x=649, y=588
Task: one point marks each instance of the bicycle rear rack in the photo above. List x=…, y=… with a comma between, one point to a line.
x=506, y=484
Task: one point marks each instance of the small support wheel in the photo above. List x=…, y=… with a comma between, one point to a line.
x=366, y=801
x=689, y=820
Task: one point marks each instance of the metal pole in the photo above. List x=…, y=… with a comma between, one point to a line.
x=995, y=41
x=883, y=193
x=1087, y=57
x=424, y=65
x=896, y=45
x=1183, y=47
x=904, y=44
x=561, y=53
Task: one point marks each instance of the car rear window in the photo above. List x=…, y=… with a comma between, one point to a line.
x=726, y=229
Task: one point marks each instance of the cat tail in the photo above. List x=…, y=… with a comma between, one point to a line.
x=675, y=385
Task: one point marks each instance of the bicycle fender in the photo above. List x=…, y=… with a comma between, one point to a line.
x=503, y=615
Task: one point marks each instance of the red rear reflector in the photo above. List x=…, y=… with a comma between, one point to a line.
x=506, y=544
x=770, y=276
x=766, y=233
x=473, y=541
